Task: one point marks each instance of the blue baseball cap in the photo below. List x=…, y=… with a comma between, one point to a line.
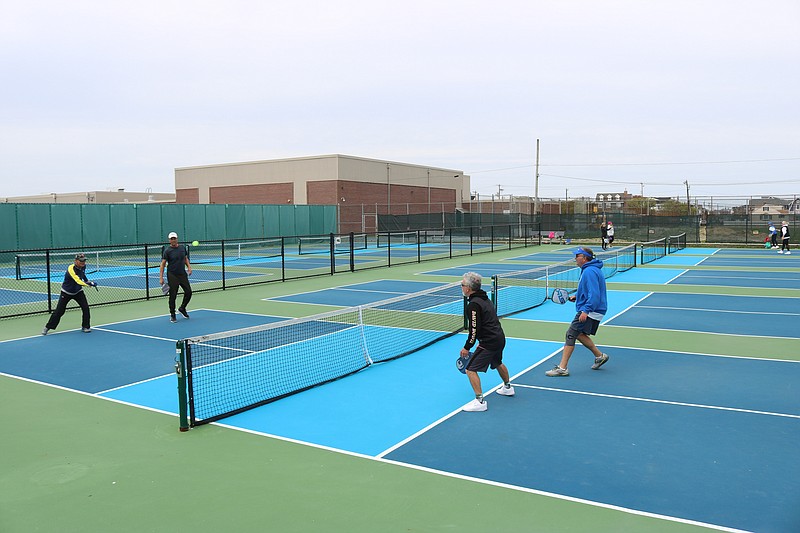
x=581, y=251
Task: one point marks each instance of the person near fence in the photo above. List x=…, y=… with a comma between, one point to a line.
x=72, y=289
x=784, y=238
x=591, y=304
x=483, y=327
x=176, y=261
x=610, y=233
x=604, y=235
x=773, y=234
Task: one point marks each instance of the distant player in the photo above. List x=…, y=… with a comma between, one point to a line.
x=610, y=232
x=784, y=238
x=773, y=234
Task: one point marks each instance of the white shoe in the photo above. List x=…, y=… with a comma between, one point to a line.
x=475, y=406
x=505, y=391
x=780, y=251
x=788, y=252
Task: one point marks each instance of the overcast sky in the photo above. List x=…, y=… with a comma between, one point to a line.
x=637, y=95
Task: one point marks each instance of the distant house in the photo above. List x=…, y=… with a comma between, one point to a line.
x=612, y=201
x=771, y=209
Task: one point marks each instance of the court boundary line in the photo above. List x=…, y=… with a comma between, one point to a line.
x=676, y=277
x=663, y=350
x=664, y=402
x=715, y=310
x=631, y=306
x=701, y=332
x=380, y=458
x=482, y=481
x=460, y=409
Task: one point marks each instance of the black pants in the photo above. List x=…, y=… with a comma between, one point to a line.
x=61, y=308
x=785, y=244
x=176, y=281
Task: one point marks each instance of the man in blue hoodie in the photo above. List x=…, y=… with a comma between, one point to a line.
x=591, y=304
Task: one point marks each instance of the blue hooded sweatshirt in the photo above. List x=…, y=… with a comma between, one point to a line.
x=591, y=294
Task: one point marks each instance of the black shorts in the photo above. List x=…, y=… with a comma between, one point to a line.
x=484, y=358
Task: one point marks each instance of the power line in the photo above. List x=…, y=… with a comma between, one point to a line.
x=666, y=163
x=674, y=163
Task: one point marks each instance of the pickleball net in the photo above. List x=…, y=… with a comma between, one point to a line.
x=230, y=372
x=525, y=289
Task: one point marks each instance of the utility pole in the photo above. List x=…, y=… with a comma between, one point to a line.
x=536, y=188
x=688, y=204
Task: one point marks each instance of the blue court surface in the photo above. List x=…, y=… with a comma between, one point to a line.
x=13, y=296
x=768, y=279
x=360, y=293
x=731, y=315
x=112, y=355
x=653, y=431
x=772, y=260
x=618, y=302
x=484, y=269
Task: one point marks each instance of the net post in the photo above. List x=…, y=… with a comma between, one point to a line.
x=495, y=286
x=146, y=274
x=222, y=256
x=352, y=252
x=49, y=286
x=332, y=251
x=283, y=258
x=466, y=319
x=180, y=367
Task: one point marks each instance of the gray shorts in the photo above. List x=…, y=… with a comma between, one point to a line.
x=577, y=327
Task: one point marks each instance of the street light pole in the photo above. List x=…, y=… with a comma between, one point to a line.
x=388, y=191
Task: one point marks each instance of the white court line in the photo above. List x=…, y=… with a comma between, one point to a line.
x=665, y=402
x=702, y=332
x=676, y=277
x=708, y=310
x=627, y=308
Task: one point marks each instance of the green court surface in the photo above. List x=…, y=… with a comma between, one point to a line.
x=76, y=462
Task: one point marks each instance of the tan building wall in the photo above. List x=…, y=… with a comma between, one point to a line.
x=324, y=179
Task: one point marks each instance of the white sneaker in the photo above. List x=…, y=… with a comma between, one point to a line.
x=788, y=252
x=780, y=251
x=475, y=406
x=505, y=391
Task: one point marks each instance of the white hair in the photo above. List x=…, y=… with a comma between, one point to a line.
x=473, y=280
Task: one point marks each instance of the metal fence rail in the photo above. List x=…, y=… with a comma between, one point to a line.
x=30, y=280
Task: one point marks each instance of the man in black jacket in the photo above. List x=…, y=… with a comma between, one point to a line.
x=483, y=327
x=72, y=289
